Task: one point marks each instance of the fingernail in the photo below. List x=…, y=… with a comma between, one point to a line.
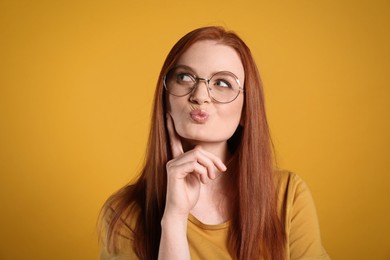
x=224, y=167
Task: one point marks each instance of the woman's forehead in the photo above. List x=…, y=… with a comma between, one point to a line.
x=207, y=57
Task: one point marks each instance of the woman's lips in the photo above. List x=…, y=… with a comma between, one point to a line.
x=199, y=116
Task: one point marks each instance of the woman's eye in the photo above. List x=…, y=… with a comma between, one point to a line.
x=183, y=77
x=222, y=83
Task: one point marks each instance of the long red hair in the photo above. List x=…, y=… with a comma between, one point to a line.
x=256, y=230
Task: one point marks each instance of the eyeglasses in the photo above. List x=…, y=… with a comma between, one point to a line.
x=223, y=86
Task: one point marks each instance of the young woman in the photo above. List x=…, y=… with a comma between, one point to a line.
x=209, y=189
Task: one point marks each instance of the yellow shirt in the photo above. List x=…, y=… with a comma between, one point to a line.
x=209, y=241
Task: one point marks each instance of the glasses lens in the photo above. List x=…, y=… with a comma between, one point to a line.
x=179, y=81
x=224, y=87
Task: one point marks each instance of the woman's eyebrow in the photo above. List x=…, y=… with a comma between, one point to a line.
x=185, y=67
x=193, y=70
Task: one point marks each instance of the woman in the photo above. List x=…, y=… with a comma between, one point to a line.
x=209, y=189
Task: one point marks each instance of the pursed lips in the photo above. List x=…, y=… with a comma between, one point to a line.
x=199, y=116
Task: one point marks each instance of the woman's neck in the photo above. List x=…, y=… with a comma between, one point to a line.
x=212, y=206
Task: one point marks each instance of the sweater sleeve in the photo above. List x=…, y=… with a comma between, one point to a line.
x=301, y=222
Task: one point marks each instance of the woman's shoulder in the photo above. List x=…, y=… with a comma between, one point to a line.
x=293, y=193
x=287, y=180
x=297, y=210
x=127, y=217
x=119, y=218
x=123, y=209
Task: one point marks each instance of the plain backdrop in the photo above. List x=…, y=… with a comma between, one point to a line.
x=76, y=86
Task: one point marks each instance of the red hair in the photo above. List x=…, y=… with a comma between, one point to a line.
x=256, y=230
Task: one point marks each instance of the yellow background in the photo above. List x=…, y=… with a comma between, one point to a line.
x=76, y=86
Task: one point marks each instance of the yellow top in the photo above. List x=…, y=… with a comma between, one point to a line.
x=209, y=241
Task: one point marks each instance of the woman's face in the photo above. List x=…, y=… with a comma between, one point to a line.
x=197, y=118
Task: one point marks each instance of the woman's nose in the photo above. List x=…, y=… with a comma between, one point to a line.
x=201, y=92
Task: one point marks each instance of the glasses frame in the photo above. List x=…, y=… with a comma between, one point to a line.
x=206, y=80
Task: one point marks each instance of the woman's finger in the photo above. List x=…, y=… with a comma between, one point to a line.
x=174, y=139
x=191, y=167
x=217, y=162
x=211, y=162
x=206, y=159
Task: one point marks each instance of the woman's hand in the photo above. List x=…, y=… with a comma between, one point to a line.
x=185, y=173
